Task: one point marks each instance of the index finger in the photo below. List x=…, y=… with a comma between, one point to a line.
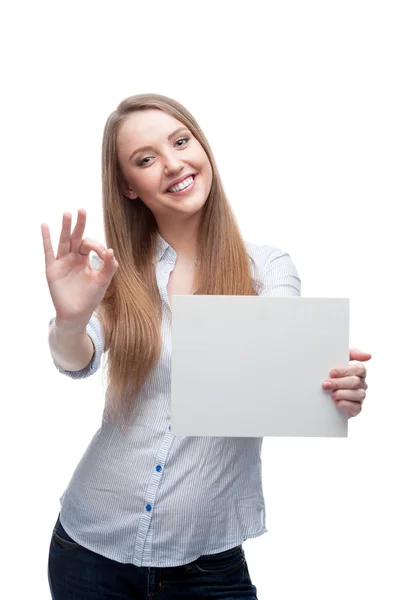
x=48, y=248
x=357, y=369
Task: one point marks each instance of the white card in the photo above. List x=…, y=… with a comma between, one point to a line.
x=252, y=366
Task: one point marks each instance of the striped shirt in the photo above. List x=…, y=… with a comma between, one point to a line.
x=154, y=499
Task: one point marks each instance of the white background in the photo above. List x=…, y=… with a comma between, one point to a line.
x=299, y=101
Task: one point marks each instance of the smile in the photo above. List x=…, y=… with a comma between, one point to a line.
x=183, y=186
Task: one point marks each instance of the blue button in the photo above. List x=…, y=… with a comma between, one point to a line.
x=169, y=427
x=159, y=468
x=148, y=507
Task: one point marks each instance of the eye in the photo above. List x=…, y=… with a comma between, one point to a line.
x=143, y=162
x=186, y=139
x=181, y=142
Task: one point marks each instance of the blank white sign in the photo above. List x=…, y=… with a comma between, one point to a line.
x=250, y=366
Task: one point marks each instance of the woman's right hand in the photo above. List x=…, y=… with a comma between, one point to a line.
x=75, y=287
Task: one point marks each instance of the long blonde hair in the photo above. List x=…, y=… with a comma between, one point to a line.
x=131, y=310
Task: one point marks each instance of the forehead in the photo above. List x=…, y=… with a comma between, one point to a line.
x=145, y=128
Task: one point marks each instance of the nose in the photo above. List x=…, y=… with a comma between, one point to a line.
x=173, y=163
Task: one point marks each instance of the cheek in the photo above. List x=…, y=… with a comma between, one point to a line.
x=202, y=163
x=207, y=170
x=148, y=180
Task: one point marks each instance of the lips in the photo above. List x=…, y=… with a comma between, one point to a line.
x=180, y=180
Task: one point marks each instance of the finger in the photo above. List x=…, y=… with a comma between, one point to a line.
x=110, y=265
x=354, y=369
x=47, y=246
x=350, y=395
x=348, y=383
x=88, y=245
x=78, y=231
x=353, y=408
x=356, y=354
x=65, y=237
x=334, y=384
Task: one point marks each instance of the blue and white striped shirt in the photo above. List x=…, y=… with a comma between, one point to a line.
x=157, y=500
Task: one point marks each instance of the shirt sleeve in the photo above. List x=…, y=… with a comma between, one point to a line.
x=279, y=276
x=95, y=332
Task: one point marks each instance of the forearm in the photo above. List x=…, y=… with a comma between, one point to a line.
x=71, y=350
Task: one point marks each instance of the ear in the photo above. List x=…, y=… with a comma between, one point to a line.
x=129, y=192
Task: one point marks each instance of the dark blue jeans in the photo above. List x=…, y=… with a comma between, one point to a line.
x=76, y=573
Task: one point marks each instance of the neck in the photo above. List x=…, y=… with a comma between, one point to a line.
x=182, y=238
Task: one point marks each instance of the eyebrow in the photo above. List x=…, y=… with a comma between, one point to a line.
x=145, y=148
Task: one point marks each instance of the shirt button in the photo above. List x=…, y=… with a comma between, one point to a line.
x=159, y=468
x=169, y=427
x=148, y=507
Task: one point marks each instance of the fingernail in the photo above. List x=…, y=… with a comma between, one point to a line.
x=326, y=384
x=333, y=372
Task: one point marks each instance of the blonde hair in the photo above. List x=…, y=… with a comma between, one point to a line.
x=131, y=311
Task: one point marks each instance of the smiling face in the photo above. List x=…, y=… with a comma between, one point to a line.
x=156, y=152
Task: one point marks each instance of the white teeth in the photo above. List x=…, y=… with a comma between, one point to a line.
x=182, y=185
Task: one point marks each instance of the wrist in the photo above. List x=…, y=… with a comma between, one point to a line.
x=69, y=327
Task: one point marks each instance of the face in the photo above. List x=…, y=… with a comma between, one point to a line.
x=156, y=152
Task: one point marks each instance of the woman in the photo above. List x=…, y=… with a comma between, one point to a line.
x=146, y=513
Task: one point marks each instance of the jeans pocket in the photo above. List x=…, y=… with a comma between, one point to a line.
x=61, y=539
x=223, y=562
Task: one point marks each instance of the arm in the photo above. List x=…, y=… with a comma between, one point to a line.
x=78, y=354
x=279, y=275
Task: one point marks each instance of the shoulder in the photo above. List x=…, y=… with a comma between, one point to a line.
x=262, y=254
x=274, y=269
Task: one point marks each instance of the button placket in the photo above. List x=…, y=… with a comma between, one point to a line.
x=142, y=551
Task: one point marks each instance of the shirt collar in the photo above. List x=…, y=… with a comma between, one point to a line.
x=162, y=246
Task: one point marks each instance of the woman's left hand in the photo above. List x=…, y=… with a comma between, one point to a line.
x=348, y=385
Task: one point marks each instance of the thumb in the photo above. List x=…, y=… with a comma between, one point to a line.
x=356, y=354
x=110, y=264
